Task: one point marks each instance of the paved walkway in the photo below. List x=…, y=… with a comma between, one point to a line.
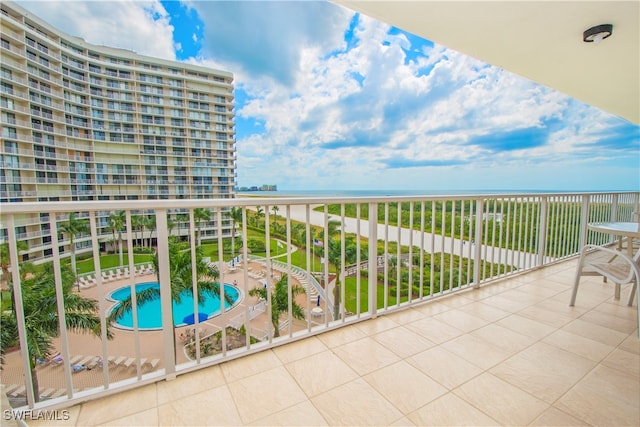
x=431, y=242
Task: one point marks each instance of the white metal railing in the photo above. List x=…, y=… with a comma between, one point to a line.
x=358, y=258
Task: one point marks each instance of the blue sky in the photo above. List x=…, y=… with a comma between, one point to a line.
x=330, y=99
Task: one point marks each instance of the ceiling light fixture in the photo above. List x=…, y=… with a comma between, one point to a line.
x=597, y=33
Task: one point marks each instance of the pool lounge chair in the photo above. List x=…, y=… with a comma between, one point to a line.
x=78, y=368
x=151, y=364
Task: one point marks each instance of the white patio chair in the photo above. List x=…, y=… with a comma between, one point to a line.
x=620, y=269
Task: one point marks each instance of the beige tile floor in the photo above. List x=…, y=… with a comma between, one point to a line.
x=512, y=353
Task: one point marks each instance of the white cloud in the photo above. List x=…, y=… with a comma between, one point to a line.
x=141, y=26
x=338, y=114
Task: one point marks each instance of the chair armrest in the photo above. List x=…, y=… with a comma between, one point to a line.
x=614, y=271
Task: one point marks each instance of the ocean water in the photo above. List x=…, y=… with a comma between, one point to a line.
x=383, y=193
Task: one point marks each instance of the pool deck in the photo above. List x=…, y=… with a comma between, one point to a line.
x=51, y=375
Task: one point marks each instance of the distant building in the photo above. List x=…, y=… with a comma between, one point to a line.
x=261, y=188
x=86, y=122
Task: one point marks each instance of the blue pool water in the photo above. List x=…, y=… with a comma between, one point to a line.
x=150, y=313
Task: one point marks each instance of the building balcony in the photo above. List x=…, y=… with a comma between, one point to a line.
x=482, y=335
x=510, y=353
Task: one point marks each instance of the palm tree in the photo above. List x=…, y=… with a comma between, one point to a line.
x=171, y=224
x=5, y=261
x=180, y=280
x=200, y=215
x=333, y=227
x=182, y=220
x=41, y=316
x=137, y=223
x=280, y=301
x=259, y=214
x=116, y=223
x=74, y=227
x=298, y=232
x=350, y=257
x=275, y=210
x=150, y=223
x=235, y=214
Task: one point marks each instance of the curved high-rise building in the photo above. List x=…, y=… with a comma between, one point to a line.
x=87, y=122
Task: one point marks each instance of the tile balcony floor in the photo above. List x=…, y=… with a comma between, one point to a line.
x=510, y=353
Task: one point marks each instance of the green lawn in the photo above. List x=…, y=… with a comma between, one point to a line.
x=6, y=300
x=110, y=261
x=351, y=295
x=298, y=258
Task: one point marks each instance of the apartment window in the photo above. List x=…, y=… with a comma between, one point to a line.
x=6, y=103
x=46, y=100
x=5, y=43
x=80, y=99
x=99, y=135
x=8, y=132
x=11, y=162
x=44, y=74
x=76, y=74
x=4, y=72
x=9, y=118
x=10, y=147
x=6, y=88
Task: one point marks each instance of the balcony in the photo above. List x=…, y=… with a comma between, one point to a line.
x=484, y=336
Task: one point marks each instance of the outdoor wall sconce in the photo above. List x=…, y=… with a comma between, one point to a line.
x=597, y=33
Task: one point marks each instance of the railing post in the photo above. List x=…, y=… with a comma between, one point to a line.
x=373, y=258
x=584, y=220
x=57, y=274
x=542, y=231
x=614, y=208
x=19, y=310
x=477, y=255
x=164, y=279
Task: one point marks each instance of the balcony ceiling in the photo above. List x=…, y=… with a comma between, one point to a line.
x=539, y=40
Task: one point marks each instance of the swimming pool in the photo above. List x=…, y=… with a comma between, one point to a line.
x=150, y=313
